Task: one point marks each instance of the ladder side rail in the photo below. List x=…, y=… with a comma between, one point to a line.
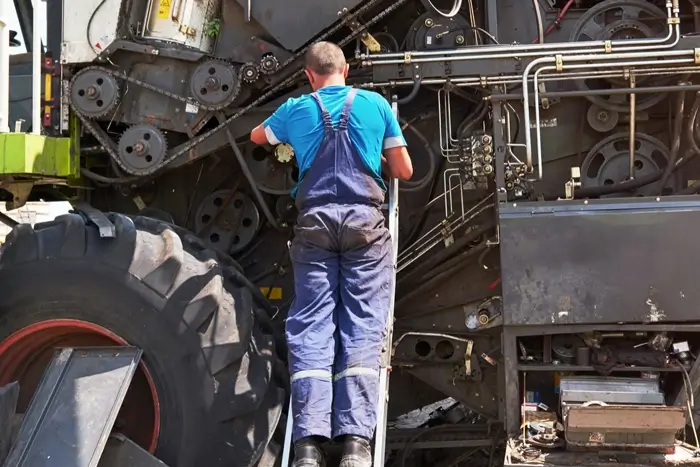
x=385, y=369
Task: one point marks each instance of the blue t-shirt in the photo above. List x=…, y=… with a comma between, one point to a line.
x=372, y=126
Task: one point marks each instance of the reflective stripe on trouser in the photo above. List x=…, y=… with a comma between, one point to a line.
x=341, y=256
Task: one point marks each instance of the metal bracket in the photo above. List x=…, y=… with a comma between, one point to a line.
x=97, y=218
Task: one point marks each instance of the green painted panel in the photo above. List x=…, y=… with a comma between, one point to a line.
x=24, y=153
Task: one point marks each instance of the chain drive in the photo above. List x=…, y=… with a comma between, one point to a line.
x=111, y=147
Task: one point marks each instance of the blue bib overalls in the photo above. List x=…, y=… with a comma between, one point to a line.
x=343, y=272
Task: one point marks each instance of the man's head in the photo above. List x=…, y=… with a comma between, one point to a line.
x=325, y=65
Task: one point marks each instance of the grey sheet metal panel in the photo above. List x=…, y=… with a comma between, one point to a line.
x=631, y=260
x=294, y=24
x=611, y=390
x=74, y=408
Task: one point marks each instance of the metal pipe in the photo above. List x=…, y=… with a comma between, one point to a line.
x=512, y=51
x=559, y=76
x=36, y=68
x=4, y=69
x=561, y=66
x=633, y=117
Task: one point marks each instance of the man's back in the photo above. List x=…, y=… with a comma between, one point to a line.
x=298, y=122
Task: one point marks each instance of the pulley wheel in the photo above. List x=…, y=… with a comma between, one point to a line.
x=141, y=148
x=226, y=221
x=214, y=83
x=94, y=93
x=618, y=20
x=607, y=163
x=602, y=120
x=273, y=177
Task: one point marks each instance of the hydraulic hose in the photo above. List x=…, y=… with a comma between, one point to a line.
x=461, y=261
x=410, y=185
x=111, y=181
x=414, y=92
x=676, y=137
x=439, y=258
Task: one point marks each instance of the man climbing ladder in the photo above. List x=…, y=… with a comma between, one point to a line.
x=341, y=254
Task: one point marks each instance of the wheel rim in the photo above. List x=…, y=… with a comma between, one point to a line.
x=25, y=354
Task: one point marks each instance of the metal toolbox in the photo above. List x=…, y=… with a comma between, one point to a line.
x=643, y=429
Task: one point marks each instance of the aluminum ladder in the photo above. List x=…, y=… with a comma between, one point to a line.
x=379, y=442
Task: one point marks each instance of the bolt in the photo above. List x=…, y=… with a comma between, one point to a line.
x=603, y=116
x=91, y=91
x=459, y=39
x=429, y=23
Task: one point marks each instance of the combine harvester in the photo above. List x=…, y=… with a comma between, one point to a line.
x=547, y=293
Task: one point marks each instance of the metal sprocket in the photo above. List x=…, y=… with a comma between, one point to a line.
x=141, y=148
x=215, y=83
x=94, y=93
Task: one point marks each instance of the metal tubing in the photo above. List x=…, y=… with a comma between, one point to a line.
x=4, y=68
x=559, y=76
x=562, y=66
x=512, y=51
x=633, y=116
x=36, y=67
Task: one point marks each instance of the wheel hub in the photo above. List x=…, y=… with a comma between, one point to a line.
x=25, y=354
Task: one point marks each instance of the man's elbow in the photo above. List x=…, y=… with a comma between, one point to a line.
x=399, y=163
x=258, y=135
x=404, y=173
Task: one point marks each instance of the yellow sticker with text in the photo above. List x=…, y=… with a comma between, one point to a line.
x=164, y=9
x=274, y=294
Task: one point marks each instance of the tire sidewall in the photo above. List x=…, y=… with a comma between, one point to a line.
x=119, y=302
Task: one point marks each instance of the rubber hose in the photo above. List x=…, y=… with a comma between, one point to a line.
x=112, y=181
x=469, y=123
x=409, y=185
x=462, y=263
x=676, y=137
x=425, y=266
x=414, y=92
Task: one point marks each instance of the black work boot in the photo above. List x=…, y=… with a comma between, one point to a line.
x=308, y=453
x=357, y=452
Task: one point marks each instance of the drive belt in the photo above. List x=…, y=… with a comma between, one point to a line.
x=183, y=149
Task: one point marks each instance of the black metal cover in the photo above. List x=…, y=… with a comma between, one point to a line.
x=601, y=261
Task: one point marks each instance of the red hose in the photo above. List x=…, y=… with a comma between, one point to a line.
x=556, y=22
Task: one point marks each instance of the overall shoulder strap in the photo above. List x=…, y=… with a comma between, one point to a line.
x=327, y=122
x=345, y=116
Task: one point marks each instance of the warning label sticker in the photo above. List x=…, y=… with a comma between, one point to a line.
x=164, y=9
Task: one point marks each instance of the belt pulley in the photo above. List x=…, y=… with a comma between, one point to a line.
x=111, y=147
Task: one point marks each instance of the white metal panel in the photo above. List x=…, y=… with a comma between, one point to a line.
x=103, y=17
x=182, y=21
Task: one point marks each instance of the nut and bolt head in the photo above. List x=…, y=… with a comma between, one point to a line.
x=459, y=39
x=429, y=23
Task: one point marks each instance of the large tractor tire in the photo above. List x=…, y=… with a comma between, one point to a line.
x=210, y=390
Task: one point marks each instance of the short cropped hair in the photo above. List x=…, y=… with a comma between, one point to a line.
x=324, y=58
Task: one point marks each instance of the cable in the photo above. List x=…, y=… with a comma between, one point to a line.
x=87, y=30
x=456, y=6
x=676, y=137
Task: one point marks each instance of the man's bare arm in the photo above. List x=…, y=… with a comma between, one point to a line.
x=397, y=163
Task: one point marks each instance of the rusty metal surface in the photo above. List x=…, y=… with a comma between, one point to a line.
x=682, y=457
x=600, y=261
x=632, y=428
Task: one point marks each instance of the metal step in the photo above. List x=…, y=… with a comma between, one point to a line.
x=122, y=452
x=74, y=408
